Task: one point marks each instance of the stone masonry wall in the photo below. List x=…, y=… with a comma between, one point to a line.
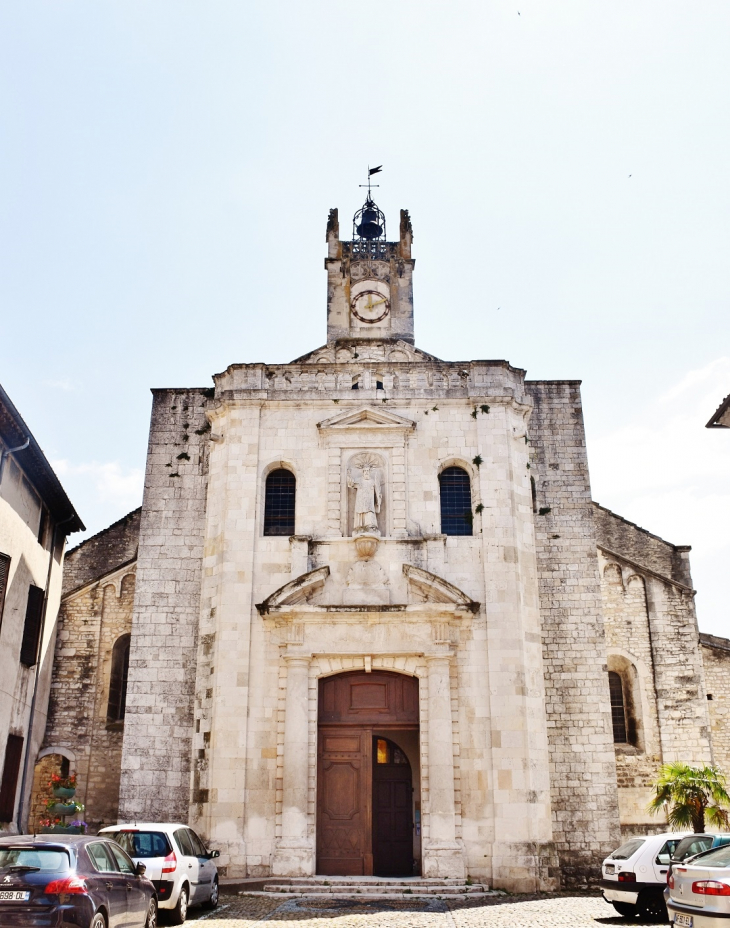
x=582, y=766
x=91, y=620
x=716, y=661
x=159, y=723
x=102, y=553
x=653, y=641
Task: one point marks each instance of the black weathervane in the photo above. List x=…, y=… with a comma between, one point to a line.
x=369, y=222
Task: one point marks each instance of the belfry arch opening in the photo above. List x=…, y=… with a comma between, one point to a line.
x=368, y=775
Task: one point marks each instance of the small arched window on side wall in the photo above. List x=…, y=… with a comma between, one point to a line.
x=118, y=680
x=618, y=707
x=279, y=505
x=455, y=492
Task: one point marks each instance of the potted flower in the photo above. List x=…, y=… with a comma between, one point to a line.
x=54, y=807
x=48, y=825
x=63, y=787
x=77, y=827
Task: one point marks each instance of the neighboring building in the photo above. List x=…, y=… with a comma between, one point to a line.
x=35, y=518
x=379, y=625
x=721, y=417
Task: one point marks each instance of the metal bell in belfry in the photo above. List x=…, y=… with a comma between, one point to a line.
x=369, y=227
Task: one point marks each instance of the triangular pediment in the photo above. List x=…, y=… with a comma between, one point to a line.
x=366, y=417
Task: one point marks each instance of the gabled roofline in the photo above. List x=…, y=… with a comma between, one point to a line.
x=15, y=433
x=714, y=422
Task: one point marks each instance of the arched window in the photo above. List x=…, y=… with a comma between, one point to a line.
x=618, y=707
x=456, y=514
x=118, y=680
x=281, y=491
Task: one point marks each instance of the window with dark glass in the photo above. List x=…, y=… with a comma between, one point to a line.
x=618, y=708
x=32, y=627
x=281, y=491
x=456, y=514
x=118, y=680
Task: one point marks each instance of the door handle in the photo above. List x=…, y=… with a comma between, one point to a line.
x=109, y=885
x=190, y=866
x=129, y=887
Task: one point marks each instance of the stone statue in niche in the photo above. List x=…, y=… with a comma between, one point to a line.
x=367, y=482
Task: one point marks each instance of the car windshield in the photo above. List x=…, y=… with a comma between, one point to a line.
x=627, y=850
x=141, y=843
x=717, y=857
x=688, y=847
x=49, y=860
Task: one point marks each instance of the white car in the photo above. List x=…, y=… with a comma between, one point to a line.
x=178, y=864
x=635, y=875
x=698, y=892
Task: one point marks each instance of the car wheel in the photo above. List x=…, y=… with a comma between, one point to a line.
x=213, y=899
x=98, y=921
x=180, y=912
x=151, y=915
x=625, y=909
x=651, y=907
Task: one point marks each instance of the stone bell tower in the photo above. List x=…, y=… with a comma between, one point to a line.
x=369, y=279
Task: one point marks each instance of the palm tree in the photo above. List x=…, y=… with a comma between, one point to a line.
x=689, y=795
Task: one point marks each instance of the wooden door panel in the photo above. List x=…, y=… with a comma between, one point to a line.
x=376, y=698
x=392, y=820
x=344, y=777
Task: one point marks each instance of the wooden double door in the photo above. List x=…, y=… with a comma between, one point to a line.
x=364, y=781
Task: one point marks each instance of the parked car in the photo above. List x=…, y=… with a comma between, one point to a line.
x=635, y=874
x=60, y=880
x=178, y=864
x=698, y=890
x=698, y=844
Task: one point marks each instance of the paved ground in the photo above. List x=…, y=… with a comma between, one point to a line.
x=544, y=911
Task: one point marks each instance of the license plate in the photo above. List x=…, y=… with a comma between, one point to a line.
x=17, y=895
x=610, y=868
x=684, y=920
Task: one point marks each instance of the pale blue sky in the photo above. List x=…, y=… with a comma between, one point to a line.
x=167, y=168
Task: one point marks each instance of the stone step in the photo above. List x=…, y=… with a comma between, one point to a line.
x=369, y=897
x=363, y=889
x=365, y=881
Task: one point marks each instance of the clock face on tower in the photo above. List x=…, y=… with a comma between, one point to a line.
x=370, y=305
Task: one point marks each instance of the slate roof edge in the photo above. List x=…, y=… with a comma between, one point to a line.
x=36, y=466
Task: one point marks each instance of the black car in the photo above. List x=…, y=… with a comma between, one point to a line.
x=63, y=881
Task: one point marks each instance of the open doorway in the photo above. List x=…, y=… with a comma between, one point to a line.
x=368, y=775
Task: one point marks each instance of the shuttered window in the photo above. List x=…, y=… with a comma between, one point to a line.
x=9, y=783
x=4, y=574
x=32, y=627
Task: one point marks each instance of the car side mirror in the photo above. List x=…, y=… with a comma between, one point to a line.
x=212, y=854
x=140, y=869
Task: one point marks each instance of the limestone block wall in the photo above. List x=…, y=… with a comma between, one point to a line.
x=653, y=644
x=629, y=644
x=91, y=620
x=108, y=550
x=582, y=762
x=716, y=663
x=158, y=728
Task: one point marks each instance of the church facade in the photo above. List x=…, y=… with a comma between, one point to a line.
x=375, y=622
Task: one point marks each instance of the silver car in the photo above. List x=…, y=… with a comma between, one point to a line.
x=698, y=892
x=178, y=864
